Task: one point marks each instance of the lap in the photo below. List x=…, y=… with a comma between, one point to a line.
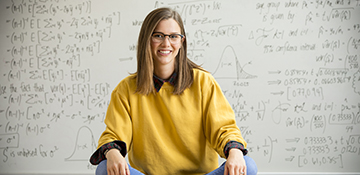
x=101, y=169
x=251, y=168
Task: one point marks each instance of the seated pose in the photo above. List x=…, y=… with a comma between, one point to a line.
x=170, y=116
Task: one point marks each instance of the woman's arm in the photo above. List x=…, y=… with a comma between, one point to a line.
x=116, y=163
x=235, y=164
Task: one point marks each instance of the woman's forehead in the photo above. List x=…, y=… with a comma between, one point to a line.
x=168, y=25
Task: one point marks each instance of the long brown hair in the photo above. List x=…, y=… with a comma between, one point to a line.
x=145, y=66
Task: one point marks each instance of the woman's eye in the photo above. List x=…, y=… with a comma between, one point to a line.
x=158, y=36
x=173, y=36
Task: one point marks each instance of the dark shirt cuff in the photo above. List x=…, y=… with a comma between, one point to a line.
x=234, y=144
x=99, y=156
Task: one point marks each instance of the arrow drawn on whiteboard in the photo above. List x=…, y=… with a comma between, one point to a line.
x=274, y=72
x=125, y=59
x=84, y=145
x=291, y=158
x=291, y=149
x=278, y=93
x=293, y=140
x=274, y=82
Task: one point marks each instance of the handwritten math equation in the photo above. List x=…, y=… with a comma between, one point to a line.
x=289, y=69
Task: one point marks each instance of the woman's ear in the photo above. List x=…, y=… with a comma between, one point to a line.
x=182, y=41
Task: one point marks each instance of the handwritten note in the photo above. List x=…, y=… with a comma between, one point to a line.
x=290, y=70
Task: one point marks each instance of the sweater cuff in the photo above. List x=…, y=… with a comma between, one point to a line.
x=234, y=144
x=99, y=156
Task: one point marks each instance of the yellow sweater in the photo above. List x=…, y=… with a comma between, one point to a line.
x=172, y=134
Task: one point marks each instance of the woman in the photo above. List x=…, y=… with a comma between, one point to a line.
x=170, y=116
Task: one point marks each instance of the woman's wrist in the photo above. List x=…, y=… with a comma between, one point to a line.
x=235, y=151
x=108, y=150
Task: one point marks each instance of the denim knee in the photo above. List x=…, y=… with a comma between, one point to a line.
x=251, y=168
x=101, y=169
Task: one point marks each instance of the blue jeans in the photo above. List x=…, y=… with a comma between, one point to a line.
x=251, y=168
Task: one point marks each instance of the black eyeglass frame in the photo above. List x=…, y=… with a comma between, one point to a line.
x=182, y=36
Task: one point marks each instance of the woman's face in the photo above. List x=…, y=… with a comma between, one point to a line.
x=164, y=50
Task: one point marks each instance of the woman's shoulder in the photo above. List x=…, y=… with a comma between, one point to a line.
x=202, y=73
x=127, y=83
x=203, y=76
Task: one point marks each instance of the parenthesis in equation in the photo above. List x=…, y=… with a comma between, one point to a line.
x=322, y=93
x=348, y=45
x=119, y=14
x=13, y=51
x=27, y=129
x=72, y=99
x=13, y=7
x=312, y=121
x=36, y=129
x=12, y=63
x=12, y=38
x=271, y=148
x=7, y=126
x=9, y=75
x=51, y=7
x=89, y=77
x=204, y=7
x=23, y=23
x=7, y=113
x=88, y=7
x=13, y=23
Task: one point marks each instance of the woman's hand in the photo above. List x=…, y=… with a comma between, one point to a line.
x=235, y=163
x=116, y=163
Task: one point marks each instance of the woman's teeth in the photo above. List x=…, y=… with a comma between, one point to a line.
x=164, y=52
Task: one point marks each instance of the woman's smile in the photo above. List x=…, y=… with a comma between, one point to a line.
x=165, y=49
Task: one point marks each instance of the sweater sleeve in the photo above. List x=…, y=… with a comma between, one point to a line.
x=118, y=119
x=234, y=144
x=99, y=155
x=219, y=119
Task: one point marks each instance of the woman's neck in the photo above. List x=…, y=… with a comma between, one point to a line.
x=163, y=73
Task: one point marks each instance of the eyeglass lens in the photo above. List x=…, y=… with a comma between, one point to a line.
x=160, y=37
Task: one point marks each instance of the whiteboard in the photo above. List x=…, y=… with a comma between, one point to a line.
x=290, y=70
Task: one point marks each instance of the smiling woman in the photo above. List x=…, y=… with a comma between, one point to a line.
x=164, y=51
x=171, y=115
x=154, y=22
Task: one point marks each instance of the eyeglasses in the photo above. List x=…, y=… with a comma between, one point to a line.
x=158, y=37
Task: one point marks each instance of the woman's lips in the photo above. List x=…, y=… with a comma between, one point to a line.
x=164, y=52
